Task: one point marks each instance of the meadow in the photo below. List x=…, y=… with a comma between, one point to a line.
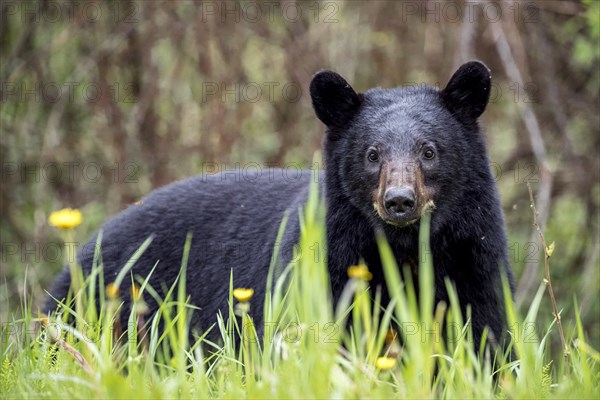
x=307, y=348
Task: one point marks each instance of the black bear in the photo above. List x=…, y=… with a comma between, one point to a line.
x=390, y=156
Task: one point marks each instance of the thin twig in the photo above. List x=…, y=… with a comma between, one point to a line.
x=77, y=355
x=53, y=334
x=465, y=49
x=547, y=253
x=538, y=147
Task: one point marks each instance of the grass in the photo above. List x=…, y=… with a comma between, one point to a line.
x=310, y=349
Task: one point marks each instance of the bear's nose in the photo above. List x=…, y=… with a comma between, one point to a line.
x=399, y=201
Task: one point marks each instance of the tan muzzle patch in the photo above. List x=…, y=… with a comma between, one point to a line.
x=402, y=175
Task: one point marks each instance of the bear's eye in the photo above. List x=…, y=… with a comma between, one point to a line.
x=428, y=154
x=373, y=156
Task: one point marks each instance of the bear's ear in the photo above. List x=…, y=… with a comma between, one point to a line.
x=468, y=91
x=334, y=100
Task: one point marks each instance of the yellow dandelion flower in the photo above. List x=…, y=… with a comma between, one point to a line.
x=385, y=363
x=43, y=319
x=360, y=271
x=67, y=218
x=112, y=291
x=243, y=294
x=139, y=305
x=136, y=294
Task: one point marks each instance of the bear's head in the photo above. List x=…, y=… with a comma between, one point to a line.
x=397, y=153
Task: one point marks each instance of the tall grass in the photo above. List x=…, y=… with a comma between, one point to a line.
x=306, y=348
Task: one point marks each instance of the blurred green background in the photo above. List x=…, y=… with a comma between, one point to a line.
x=103, y=101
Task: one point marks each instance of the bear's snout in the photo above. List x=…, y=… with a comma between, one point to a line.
x=400, y=205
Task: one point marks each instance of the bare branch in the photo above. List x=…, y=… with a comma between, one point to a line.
x=529, y=278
